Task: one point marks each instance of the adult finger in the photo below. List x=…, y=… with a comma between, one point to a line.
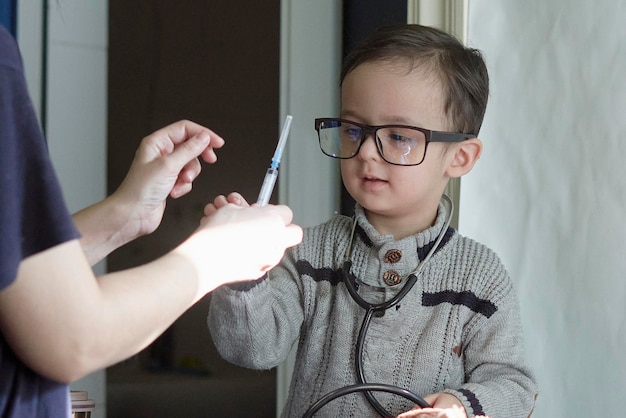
x=185, y=178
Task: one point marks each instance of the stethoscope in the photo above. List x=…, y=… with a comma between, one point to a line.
x=352, y=284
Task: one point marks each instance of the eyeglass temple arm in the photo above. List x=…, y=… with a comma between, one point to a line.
x=436, y=136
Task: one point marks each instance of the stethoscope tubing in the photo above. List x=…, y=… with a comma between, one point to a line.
x=370, y=308
x=367, y=388
x=358, y=364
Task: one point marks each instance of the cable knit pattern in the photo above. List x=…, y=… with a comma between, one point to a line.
x=458, y=330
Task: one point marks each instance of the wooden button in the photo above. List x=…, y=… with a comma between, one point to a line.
x=393, y=256
x=392, y=278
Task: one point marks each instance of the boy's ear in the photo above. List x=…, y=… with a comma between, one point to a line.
x=465, y=155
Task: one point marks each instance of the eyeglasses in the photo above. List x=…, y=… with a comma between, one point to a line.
x=397, y=144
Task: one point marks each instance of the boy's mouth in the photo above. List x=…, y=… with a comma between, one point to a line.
x=369, y=179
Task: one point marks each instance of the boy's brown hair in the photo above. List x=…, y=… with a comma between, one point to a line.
x=461, y=70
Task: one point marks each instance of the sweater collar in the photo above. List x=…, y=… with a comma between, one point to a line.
x=423, y=240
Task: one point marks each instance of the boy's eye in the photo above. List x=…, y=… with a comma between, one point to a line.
x=396, y=138
x=352, y=133
x=399, y=138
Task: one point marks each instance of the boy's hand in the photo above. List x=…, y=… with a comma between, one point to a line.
x=445, y=400
x=444, y=405
x=221, y=201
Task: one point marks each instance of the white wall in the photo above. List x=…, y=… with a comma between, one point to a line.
x=76, y=100
x=549, y=193
x=311, y=47
x=311, y=50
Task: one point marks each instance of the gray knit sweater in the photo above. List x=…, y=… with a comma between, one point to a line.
x=458, y=330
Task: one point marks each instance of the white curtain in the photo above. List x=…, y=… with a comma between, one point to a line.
x=549, y=193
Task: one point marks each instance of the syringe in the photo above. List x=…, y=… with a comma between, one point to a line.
x=272, y=172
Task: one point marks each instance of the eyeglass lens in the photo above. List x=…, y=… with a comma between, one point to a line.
x=397, y=145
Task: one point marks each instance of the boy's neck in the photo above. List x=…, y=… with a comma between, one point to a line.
x=402, y=226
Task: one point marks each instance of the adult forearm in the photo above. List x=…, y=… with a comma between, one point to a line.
x=64, y=323
x=70, y=324
x=138, y=305
x=104, y=227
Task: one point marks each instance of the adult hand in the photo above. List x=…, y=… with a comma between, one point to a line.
x=165, y=164
x=236, y=243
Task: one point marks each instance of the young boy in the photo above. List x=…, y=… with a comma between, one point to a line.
x=412, y=102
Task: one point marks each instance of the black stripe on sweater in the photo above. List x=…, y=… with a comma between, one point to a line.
x=466, y=298
x=423, y=251
x=477, y=408
x=321, y=274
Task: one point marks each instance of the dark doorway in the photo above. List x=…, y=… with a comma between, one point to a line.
x=216, y=63
x=361, y=18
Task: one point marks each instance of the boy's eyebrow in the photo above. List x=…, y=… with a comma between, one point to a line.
x=346, y=114
x=400, y=120
x=389, y=120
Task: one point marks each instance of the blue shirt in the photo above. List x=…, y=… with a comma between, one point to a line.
x=33, y=218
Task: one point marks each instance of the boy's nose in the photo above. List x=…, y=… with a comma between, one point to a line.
x=369, y=149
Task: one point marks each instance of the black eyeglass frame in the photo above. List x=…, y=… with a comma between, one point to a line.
x=430, y=136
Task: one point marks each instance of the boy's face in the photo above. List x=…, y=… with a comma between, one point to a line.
x=400, y=200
